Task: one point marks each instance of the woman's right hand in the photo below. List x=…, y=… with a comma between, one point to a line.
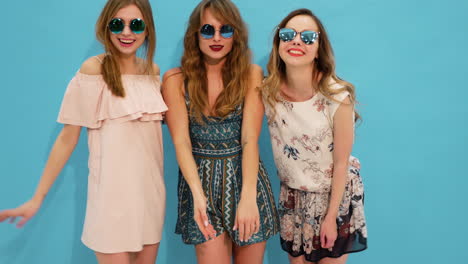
x=201, y=218
x=26, y=211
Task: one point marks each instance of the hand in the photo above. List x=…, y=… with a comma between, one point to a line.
x=200, y=217
x=328, y=232
x=247, y=219
x=26, y=211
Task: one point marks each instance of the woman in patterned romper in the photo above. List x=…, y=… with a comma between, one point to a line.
x=311, y=120
x=226, y=207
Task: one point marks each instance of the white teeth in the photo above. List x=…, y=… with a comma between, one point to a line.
x=295, y=52
x=127, y=41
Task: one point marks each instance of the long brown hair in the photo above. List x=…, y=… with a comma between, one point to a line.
x=235, y=69
x=324, y=71
x=110, y=66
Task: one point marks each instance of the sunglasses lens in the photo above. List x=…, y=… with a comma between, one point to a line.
x=207, y=31
x=227, y=31
x=137, y=26
x=309, y=37
x=287, y=34
x=116, y=26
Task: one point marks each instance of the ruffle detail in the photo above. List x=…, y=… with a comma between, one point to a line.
x=88, y=101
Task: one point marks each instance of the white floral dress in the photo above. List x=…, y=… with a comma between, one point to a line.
x=302, y=141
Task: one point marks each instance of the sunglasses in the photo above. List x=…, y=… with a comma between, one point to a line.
x=117, y=25
x=207, y=31
x=307, y=36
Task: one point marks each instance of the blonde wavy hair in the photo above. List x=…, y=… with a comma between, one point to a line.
x=324, y=70
x=110, y=66
x=235, y=69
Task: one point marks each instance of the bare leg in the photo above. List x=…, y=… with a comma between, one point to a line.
x=340, y=260
x=252, y=254
x=115, y=258
x=298, y=260
x=218, y=250
x=146, y=256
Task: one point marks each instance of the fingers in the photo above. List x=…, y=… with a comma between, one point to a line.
x=204, y=225
x=329, y=242
x=257, y=226
x=211, y=232
x=201, y=225
x=204, y=218
x=247, y=231
x=326, y=241
x=322, y=239
x=22, y=222
x=241, y=228
x=236, y=225
x=4, y=215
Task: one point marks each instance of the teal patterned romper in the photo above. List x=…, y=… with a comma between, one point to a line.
x=216, y=147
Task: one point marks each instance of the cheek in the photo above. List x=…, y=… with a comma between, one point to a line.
x=229, y=45
x=281, y=50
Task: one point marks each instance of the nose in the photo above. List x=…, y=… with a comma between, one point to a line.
x=297, y=40
x=217, y=36
x=126, y=30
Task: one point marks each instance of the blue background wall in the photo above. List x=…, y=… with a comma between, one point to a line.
x=406, y=58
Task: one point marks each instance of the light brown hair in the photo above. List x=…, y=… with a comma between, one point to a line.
x=110, y=66
x=235, y=69
x=324, y=70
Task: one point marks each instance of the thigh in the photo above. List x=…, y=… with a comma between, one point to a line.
x=299, y=260
x=147, y=255
x=249, y=254
x=115, y=258
x=218, y=250
x=340, y=260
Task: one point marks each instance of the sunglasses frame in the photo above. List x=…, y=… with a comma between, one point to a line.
x=302, y=37
x=131, y=25
x=226, y=35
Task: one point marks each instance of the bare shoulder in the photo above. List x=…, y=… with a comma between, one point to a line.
x=173, y=74
x=173, y=80
x=156, y=69
x=92, y=66
x=256, y=70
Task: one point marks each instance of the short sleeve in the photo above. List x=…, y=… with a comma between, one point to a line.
x=339, y=97
x=81, y=102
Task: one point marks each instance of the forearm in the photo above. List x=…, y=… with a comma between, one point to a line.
x=58, y=157
x=250, y=167
x=189, y=168
x=337, y=188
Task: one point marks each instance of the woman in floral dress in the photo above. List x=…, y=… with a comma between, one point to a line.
x=311, y=120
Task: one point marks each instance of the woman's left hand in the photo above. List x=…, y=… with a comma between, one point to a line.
x=247, y=219
x=328, y=232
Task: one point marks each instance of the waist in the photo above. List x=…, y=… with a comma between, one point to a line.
x=216, y=153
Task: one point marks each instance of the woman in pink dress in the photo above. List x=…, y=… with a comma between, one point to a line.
x=116, y=96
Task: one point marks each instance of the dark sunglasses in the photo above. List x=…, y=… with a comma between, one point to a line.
x=117, y=25
x=207, y=31
x=307, y=36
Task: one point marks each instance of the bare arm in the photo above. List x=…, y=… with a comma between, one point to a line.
x=247, y=217
x=343, y=135
x=178, y=123
x=60, y=153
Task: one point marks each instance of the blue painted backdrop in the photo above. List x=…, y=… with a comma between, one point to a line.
x=406, y=58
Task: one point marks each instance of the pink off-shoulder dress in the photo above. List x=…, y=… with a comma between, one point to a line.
x=126, y=192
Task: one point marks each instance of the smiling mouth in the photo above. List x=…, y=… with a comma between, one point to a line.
x=216, y=47
x=127, y=42
x=295, y=52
